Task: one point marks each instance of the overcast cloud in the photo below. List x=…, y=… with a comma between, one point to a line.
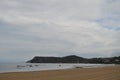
x=88, y=28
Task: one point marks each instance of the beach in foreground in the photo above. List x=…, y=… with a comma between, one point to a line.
x=100, y=73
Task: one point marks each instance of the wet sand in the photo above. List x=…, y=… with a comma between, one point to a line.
x=100, y=73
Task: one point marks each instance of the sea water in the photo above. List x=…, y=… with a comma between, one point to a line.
x=21, y=67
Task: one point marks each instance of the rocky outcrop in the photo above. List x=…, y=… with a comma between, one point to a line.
x=75, y=59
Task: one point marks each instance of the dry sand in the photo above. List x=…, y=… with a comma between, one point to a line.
x=103, y=73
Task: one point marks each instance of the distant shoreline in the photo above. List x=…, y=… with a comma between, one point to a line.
x=75, y=59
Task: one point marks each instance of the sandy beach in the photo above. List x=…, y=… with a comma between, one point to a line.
x=101, y=73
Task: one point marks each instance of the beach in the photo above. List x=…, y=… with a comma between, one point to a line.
x=99, y=73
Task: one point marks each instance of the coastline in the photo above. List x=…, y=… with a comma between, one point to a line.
x=28, y=67
x=98, y=73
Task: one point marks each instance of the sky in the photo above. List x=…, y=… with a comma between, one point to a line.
x=87, y=28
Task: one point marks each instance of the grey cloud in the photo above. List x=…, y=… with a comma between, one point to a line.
x=116, y=54
x=57, y=28
x=49, y=10
x=111, y=14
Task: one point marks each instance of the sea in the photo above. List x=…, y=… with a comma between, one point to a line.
x=26, y=67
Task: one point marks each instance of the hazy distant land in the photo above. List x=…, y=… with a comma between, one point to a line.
x=75, y=59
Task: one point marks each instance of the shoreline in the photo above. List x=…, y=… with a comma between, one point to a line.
x=76, y=67
x=99, y=73
x=58, y=68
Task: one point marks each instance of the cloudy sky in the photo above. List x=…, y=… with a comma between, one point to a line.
x=88, y=28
